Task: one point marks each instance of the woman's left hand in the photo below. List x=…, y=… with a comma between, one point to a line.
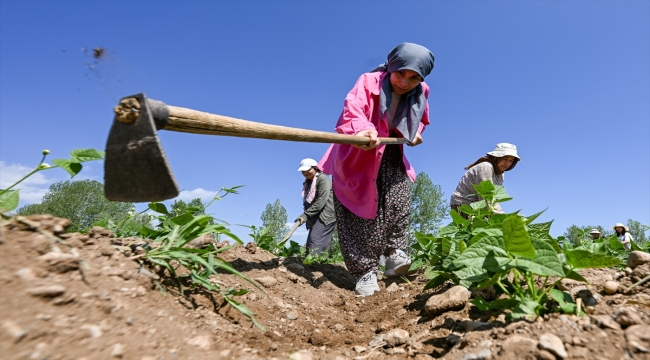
x=417, y=140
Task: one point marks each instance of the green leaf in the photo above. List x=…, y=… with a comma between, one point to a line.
x=464, y=208
x=524, y=309
x=472, y=274
x=570, y=274
x=486, y=253
x=564, y=300
x=485, y=188
x=72, y=168
x=532, y=218
x=83, y=155
x=481, y=304
x=8, y=200
x=516, y=238
x=547, y=262
x=457, y=218
x=436, y=281
x=461, y=246
x=540, y=227
x=182, y=219
x=159, y=208
x=583, y=259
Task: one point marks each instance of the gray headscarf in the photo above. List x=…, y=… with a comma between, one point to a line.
x=406, y=56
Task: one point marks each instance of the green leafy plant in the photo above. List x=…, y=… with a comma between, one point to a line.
x=521, y=260
x=169, y=250
x=265, y=240
x=9, y=198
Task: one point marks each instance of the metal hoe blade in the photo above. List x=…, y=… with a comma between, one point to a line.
x=135, y=168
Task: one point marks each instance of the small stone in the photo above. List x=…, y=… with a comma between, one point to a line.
x=579, y=341
x=478, y=325
x=267, y=281
x=292, y=315
x=637, y=258
x=117, y=351
x=202, y=342
x=484, y=354
x=638, y=338
x=14, y=330
x=606, y=321
x=302, y=355
x=580, y=353
x=148, y=273
x=59, y=262
x=47, y=291
x=26, y=274
x=545, y=355
x=611, y=287
x=452, y=299
x=396, y=337
x=627, y=316
x=94, y=330
x=518, y=347
x=552, y=343
x=392, y=288
x=358, y=349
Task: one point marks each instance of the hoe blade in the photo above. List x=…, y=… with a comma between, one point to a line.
x=135, y=167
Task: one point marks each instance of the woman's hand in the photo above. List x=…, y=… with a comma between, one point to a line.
x=417, y=140
x=369, y=133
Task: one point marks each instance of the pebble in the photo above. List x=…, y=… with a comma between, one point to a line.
x=611, y=287
x=606, y=321
x=117, y=351
x=201, y=341
x=94, y=330
x=267, y=281
x=627, y=316
x=14, y=330
x=292, y=315
x=637, y=258
x=545, y=355
x=484, y=354
x=26, y=274
x=452, y=299
x=358, y=349
x=396, y=337
x=392, y=288
x=552, y=343
x=302, y=355
x=47, y=291
x=638, y=338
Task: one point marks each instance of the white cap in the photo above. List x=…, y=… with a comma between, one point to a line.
x=306, y=164
x=504, y=149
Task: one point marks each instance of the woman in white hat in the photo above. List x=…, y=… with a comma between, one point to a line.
x=490, y=167
x=595, y=234
x=318, y=203
x=623, y=235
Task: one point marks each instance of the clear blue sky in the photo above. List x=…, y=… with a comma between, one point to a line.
x=568, y=82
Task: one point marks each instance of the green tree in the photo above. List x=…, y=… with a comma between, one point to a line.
x=274, y=219
x=637, y=230
x=82, y=202
x=428, y=206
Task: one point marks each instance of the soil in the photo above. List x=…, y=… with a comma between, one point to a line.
x=81, y=296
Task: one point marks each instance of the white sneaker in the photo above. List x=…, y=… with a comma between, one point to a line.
x=367, y=284
x=398, y=264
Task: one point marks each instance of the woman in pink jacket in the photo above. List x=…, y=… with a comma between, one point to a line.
x=371, y=182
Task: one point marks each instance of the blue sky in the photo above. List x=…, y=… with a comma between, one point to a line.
x=568, y=82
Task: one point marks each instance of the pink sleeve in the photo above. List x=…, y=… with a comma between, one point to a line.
x=425, y=117
x=356, y=109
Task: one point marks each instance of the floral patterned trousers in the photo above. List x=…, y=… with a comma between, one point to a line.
x=362, y=240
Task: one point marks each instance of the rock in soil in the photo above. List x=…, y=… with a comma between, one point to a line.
x=452, y=299
x=637, y=258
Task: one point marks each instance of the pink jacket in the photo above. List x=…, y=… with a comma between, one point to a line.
x=354, y=171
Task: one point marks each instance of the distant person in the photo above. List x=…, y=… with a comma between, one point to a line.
x=372, y=183
x=318, y=205
x=490, y=167
x=623, y=235
x=595, y=234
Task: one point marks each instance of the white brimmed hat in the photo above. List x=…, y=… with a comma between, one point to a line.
x=504, y=149
x=594, y=231
x=621, y=225
x=306, y=164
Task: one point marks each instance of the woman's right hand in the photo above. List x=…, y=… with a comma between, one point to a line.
x=369, y=133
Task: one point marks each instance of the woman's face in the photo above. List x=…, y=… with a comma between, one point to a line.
x=505, y=162
x=404, y=81
x=309, y=174
x=619, y=229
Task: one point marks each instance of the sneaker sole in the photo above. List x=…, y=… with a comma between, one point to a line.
x=399, y=271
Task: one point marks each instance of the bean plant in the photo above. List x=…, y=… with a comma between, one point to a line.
x=9, y=198
x=518, y=258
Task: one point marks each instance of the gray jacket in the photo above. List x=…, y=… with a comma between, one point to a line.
x=322, y=207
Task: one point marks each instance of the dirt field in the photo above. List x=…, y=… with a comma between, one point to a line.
x=74, y=296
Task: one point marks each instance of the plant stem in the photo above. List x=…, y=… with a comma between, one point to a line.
x=19, y=181
x=503, y=288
